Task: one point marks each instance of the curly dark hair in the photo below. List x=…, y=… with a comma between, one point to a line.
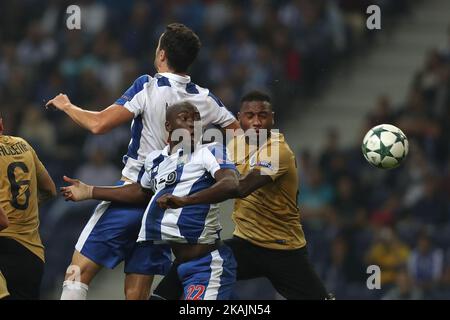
x=181, y=45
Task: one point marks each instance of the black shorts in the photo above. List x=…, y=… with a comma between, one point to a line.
x=289, y=271
x=22, y=269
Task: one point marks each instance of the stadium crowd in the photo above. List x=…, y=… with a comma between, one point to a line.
x=353, y=215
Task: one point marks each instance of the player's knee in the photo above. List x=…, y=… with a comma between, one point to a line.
x=81, y=269
x=83, y=273
x=136, y=293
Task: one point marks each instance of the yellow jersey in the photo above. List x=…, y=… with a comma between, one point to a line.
x=19, y=169
x=3, y=287
x=269, y=217
x=389, y=259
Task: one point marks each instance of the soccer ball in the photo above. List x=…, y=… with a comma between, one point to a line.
x=385, y=146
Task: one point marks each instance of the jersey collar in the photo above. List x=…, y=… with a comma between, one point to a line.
x=179, y=151
x=174, y=77
x=165, y=151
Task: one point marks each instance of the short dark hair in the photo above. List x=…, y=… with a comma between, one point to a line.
x=256, y=95
x=181, y=45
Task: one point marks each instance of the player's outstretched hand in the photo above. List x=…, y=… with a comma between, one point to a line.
x=77, y=191
x=60, y=102
x=167, y=201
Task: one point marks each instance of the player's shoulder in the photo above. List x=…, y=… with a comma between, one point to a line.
x=214, y=148
x=194, y=88
x=151, y=157
x=214, y=98
x=143, y=78
x=214, y=151
x=278, y=140
x=208, y=95
x=14, y=140
x=277, y=147
x=141, y=82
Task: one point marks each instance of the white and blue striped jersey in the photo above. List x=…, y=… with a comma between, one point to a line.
x=148, y=99
x=181, y=175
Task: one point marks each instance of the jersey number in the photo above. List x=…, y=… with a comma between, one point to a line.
x=15, y=185
x=194, y=292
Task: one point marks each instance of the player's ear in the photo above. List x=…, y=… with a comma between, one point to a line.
x=273, y=118
x=168, y=126
x=162, y=55
x=239, y=116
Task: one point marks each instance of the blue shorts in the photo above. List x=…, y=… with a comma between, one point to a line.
x=110, y=238
x=210, y=277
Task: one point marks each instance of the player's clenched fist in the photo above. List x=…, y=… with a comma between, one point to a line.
x=170, y=201
x=60, y=102
x=78, y=190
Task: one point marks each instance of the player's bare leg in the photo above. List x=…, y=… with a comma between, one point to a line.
x=78, y=277
x=137, y=286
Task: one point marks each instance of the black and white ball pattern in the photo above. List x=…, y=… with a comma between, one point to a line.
x=385, y=146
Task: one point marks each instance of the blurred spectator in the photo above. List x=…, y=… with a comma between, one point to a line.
x=315, y=197
x=404, y=289
x=112, y=144
x=346, y=200
x=386, y=215
x=445, y=48
x=36, y=48
x=426, y=265
x=359, y=237
x=444, y=289
x=430, y=209
x=382, y=113
x=38, y=131
x=306, y=163
x=390, y=254
x=98, y=171
x=330, y=157
x=94, y=14
x=335, y=277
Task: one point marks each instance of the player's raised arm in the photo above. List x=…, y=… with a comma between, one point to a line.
x=130, y=193
x=124, y=109
x=97, y=122
x=4, y=223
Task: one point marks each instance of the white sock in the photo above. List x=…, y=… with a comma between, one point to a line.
x=74, y=290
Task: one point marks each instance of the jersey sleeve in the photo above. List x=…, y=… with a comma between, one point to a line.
x=215, y=157
x=274, y=162
x=221, y=115
x=146, y=180
x=134, y=98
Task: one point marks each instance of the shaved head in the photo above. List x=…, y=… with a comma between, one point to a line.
x=173, y=110
x=182, y=115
